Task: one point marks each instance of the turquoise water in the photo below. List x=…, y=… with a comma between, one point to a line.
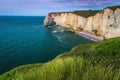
x=24, y=40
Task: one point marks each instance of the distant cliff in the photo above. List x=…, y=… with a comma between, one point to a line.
x=105, y=23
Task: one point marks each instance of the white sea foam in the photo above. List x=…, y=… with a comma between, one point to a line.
x=62, y=30
x=59, y=38
x=54, y=31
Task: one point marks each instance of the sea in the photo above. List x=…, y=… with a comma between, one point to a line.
x=25, y=40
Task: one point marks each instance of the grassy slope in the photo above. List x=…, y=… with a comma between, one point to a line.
x=87, y=13
x=97, y=61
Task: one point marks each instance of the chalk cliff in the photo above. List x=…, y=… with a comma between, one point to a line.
x=105, y=23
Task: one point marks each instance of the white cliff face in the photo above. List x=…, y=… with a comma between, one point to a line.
x=111, y=23
x=105, y=23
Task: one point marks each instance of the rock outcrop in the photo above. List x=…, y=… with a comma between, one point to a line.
x=105, y=23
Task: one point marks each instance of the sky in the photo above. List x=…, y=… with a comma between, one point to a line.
x=42, y=7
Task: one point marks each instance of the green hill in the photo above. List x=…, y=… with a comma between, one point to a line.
x=96, y=61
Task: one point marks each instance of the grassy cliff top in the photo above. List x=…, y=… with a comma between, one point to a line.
x=113, y=7
x=87, y=13
x=96, y=61
x=60, y=12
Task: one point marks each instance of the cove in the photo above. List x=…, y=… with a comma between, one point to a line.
x=24, y=40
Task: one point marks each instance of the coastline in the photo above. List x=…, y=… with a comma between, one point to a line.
x=90, y=36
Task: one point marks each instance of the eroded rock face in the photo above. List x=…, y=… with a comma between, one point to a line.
x=105, y=23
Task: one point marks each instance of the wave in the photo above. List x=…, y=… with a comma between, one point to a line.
x=54, y=31
x=59, y=38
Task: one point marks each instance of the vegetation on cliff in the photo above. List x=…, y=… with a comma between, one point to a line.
x=96, y=61
x=113, y=7
x=88, y=13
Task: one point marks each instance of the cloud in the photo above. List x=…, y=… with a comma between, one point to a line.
x=28, y=7
x=86, y=3
x=46, y=6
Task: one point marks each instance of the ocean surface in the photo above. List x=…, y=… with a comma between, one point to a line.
x=24, y=40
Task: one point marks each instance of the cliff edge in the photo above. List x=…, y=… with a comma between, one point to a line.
x=104, y=23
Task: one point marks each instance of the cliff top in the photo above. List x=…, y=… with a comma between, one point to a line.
x=60, y=12
x=88, y=13
x=113, y=7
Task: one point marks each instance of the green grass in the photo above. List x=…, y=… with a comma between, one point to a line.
x=113, y=7
x=96, y=61
x=87, y=13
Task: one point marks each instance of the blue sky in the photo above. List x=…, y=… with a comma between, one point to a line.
x=42, y=7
